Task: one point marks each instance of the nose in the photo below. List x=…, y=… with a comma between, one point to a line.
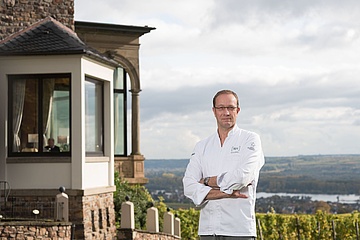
x=227, y=112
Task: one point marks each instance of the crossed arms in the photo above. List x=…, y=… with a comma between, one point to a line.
x=215, y=192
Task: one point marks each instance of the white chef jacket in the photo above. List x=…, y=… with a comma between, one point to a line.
x=237, y=165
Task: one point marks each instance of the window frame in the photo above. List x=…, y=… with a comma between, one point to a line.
x=102, y=152
x=10, y=136
x=124, y=92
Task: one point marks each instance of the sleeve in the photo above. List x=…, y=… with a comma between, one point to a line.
x=192, y=188
x=250, y=163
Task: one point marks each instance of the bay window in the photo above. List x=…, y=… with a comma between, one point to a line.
x=39, y=112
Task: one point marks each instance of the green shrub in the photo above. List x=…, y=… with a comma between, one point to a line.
x=137, y=194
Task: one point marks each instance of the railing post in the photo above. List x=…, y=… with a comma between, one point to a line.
x=334, y=229
x=177, y=227
x=6, y=187
x=169, y=222
x=127, y=215
x=298, y=228
x=62, y=206
x=152, y=220
x=260, y=230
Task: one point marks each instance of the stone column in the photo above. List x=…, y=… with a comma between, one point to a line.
x=135, y=122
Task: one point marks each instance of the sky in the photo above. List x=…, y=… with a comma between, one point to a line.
x=294, y=64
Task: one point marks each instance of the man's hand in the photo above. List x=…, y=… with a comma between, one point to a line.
x=217, y=194
x=201, y=181
x=237, y=194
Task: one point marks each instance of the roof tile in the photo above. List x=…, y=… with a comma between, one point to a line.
x=47, y=36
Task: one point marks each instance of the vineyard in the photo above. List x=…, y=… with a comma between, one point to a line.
x=271, y=226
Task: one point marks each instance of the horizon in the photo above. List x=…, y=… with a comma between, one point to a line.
x=301, y=155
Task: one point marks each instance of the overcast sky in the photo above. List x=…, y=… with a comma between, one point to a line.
x=294, y=64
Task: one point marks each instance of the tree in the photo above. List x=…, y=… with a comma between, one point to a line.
x=137, y=194
x=322, y=206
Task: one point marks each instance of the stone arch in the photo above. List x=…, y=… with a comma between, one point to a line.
x=131, y=70
x=135, y=101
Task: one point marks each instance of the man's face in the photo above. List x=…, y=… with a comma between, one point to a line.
x=226, y=111
x=50, y=143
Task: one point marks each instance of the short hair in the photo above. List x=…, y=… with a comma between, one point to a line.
x=226, y=92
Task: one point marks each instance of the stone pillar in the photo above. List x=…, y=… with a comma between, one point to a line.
x=127, y=215
x=93, y=215
x=62, y=207
x=152, y=220
x=135, y=122
x=169, y=223
x=177, y=227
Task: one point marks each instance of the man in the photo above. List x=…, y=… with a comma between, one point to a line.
x=223, y=173
x=51, y=146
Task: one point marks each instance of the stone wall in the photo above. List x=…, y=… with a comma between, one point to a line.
x=99, y=216
x=126, y=234
x=16, y=15
x=35, y=230
x=92, y=214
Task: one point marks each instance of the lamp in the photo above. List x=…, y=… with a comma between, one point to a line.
x=33, y=138
x=31, y=145
x=62, y=139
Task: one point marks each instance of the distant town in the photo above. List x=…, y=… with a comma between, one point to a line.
x=316, y=174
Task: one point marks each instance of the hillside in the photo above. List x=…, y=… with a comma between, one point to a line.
x=328, y=174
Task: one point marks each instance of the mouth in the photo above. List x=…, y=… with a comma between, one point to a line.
x=226, y=119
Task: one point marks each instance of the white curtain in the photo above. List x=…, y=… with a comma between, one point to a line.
x=18, y=107
x=48, y=93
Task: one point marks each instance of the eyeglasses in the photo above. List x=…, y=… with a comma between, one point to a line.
x=230, y=108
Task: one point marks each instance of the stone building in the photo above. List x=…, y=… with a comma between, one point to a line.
x=67, y=82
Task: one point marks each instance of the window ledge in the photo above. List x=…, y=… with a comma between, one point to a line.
x=38, y=160
x=97, y=159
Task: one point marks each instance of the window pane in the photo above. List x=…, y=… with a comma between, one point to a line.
x=119, y=125
x=24, y=115
x=119, y=78
x=56, y=113
x=94, y=116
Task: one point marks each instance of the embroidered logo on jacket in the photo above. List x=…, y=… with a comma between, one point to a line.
x=252, y=146
x=235, y=149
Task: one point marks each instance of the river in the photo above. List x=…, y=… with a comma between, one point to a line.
x=351, y=198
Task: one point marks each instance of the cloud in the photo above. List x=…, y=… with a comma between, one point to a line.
x=294, y=65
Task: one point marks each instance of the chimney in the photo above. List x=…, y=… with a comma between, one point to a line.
x=16, y=15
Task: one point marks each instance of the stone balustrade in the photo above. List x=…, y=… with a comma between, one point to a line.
x=172, y=229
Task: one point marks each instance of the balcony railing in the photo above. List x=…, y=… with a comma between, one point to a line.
x=171, y=226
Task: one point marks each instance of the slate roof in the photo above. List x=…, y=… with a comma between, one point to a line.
x=48, y=37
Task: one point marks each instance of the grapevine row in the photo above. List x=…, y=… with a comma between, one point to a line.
x=288, y=226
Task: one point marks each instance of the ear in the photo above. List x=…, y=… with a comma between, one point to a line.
x=238, y=110
x=213, y=109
